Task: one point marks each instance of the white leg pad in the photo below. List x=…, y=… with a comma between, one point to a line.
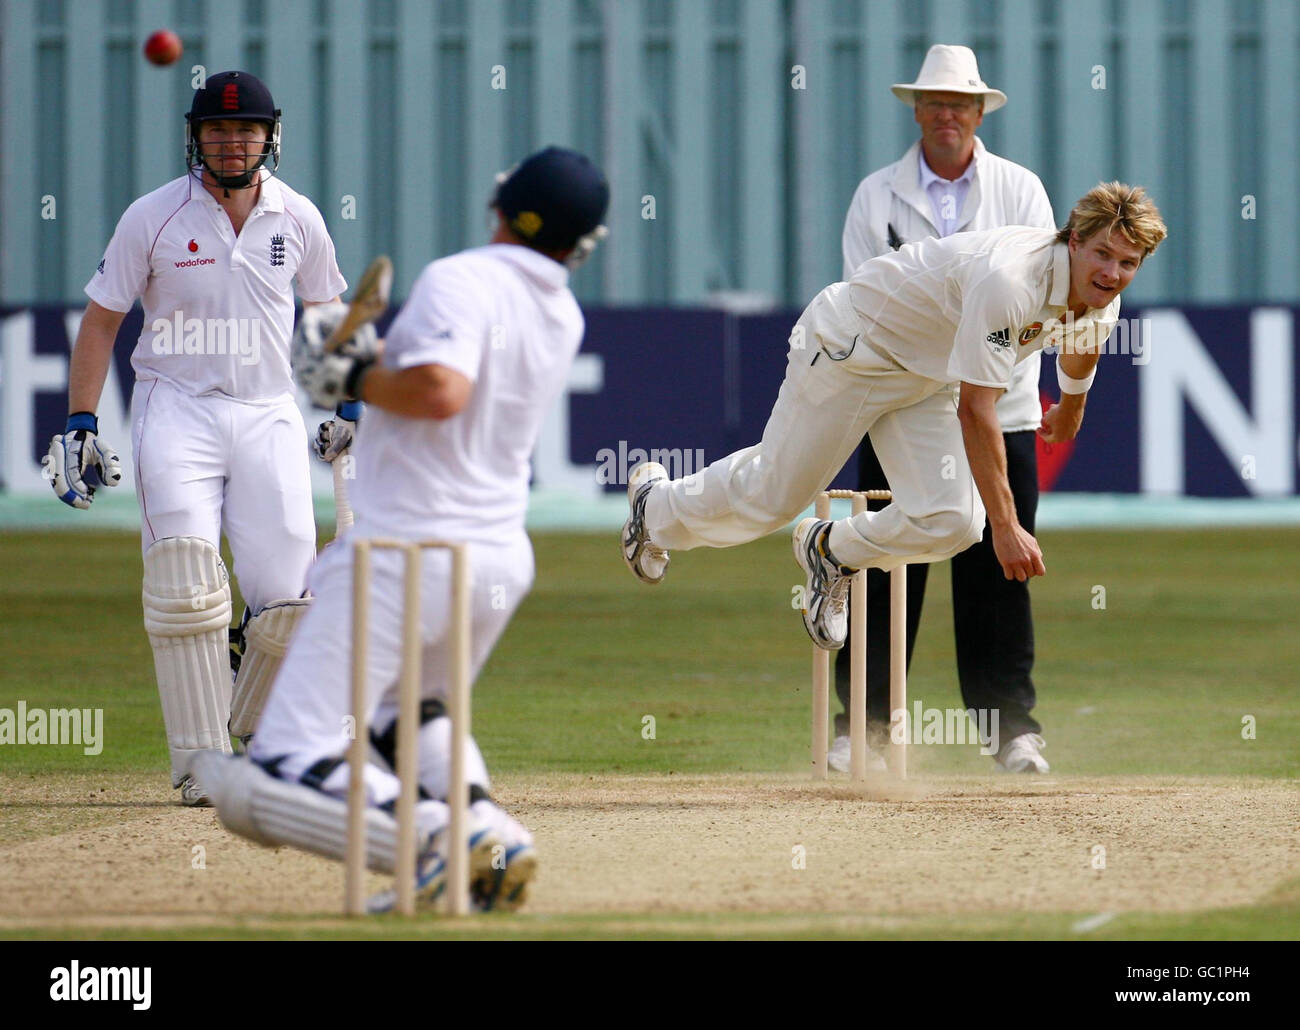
x=187, y=616
x=266, y=638
x=271, y=811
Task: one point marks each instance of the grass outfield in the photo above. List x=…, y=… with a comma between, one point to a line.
x=1196, y=639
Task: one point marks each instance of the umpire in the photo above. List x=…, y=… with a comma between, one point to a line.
x=948, y=183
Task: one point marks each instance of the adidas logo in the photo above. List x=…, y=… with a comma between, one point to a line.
x=999, y=337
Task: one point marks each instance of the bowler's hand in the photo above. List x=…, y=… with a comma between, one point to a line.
x=1061, y=422
x=1018, y=553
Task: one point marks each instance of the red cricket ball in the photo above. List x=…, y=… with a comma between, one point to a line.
x=163, y=47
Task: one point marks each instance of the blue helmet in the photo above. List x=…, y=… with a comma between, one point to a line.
x=236, y=96
x=554, y=200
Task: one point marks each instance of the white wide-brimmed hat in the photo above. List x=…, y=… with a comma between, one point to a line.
x=950, y=69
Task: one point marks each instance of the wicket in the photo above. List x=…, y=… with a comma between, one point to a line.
x=457, y=854
x=821, y=670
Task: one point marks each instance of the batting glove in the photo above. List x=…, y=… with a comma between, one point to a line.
x=78, y=461
x=335, y=435
x=331, y=379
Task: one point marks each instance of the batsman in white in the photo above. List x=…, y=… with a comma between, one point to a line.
x=215, y=257
x=470, y=367
x=882, y=352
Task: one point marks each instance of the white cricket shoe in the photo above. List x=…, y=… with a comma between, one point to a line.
x=647, y=562
x=840, y=757
x=431, y=868
x=1021, y=754
x=505, y=886
x=826, y=590
x=192, y=795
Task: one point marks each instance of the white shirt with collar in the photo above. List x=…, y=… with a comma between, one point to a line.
x=971, y=307
x=504, y=317
x=947, y=196
x=218, y=308
x=1000, y=193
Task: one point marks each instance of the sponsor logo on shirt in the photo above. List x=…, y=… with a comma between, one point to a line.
x=100, y=269
x=1030, y=332
x=999, y=337
x=195, y=262
x=277, y=249
x=194, y=246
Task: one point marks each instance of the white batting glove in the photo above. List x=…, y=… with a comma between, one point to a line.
x=331, y=379
x=78, y=462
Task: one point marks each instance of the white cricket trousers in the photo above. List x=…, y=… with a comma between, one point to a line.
x=212, y=463
x=836, y=388
x=307, y=717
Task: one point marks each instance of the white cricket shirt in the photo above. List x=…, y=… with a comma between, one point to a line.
x=218, y=308
x=969, y=307
x=899, y=196
x=504, y=317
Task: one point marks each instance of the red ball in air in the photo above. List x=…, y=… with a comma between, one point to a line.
x=163, y=47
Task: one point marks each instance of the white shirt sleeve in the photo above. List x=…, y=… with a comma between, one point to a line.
x=318, y=278
x=445, y=321
x=986, y=346
x=123, y=274
x=1036, y=208
x=856, y=239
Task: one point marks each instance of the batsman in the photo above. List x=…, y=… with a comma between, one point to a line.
x=215, y=256
x=469, y=369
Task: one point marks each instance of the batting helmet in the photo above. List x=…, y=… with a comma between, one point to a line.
x=554, y=200
x=236, y=96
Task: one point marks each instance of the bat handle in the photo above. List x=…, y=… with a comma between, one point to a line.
x=342, y=506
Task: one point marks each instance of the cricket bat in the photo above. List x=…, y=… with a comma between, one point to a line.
x=369, y=301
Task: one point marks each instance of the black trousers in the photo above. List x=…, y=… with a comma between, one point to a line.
x=991, y=615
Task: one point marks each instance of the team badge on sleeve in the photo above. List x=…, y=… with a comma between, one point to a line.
x=1030, y=333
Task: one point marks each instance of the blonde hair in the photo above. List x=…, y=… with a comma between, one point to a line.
x=1115, y=205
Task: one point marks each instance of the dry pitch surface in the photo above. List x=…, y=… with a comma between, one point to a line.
x=114, y=851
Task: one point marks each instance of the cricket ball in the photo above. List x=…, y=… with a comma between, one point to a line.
x=163, y=47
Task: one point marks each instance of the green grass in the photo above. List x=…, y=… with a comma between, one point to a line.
x=1254, y=922
x=1197, y=634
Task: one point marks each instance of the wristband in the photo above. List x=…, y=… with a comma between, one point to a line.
x=1069, y=384
x=82, y=420
x=349, y=411
x=352, y=385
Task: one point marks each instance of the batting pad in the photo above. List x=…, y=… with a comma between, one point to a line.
x=266, y=638
x=187, y=614
x=271, y=811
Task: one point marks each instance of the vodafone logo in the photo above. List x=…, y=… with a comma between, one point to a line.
x=193, y=248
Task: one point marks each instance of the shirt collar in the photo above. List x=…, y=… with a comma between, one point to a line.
x=1060, y=291
x=928, y=175
x=547, y=272
x=271, y=197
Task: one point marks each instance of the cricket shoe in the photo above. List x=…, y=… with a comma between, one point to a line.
x=512, y=868
x=826, y=591
x=840, y=756
x=192, y=795
x=431, y=872
x=1021, y=754
x=647, y=562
